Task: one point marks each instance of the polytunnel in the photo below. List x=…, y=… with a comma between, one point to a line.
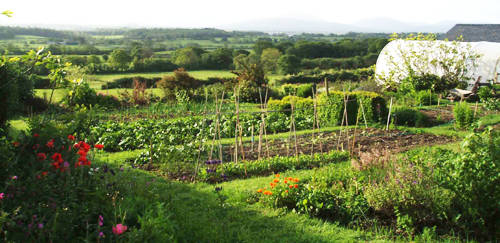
x=425, y=56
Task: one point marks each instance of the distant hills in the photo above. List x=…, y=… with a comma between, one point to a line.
x=293, y=25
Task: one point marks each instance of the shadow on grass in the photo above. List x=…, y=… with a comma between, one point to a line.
x=199, y=215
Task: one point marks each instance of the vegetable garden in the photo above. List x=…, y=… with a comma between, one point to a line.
x=311, y=160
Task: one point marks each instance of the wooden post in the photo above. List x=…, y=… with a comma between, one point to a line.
x=439, y=99
x=389, y=115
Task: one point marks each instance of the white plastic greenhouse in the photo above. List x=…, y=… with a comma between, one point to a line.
x=393, y=61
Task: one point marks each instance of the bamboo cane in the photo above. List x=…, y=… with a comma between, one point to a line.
x=389, y=116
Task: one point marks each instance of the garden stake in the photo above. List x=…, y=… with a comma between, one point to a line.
x=218, y=127
x=314, y=124
x=201, y=139
x=252, y=139
x=364, y=117
x=265, y=131
x=261, y=129
x=341, y=125
x=389, y=116
x=346, y=122
x=354, y=136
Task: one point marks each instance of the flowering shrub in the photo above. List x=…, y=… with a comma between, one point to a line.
x=282, y=192
x=50, y=191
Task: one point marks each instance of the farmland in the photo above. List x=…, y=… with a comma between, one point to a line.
x=237, y=137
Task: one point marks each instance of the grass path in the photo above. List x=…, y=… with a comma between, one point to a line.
x=199, y=216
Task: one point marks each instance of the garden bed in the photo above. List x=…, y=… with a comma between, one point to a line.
x=365, y=140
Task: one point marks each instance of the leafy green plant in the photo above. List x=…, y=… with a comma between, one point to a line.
x=474, y=176
x=464, y=115
x=232, y=170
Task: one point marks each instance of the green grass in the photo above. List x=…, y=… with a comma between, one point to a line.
x=17, y=127
x=198, y=215
x=45, y=93
x=202, y=74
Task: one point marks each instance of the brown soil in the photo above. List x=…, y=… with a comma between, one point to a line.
x=365, y=140
x=440, y=115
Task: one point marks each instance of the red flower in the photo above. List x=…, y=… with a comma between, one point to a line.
x=99, y=146
x=71, y=137
x=41, y=156
x=296, y=186
x=45, y=173
x=36, y=146
x=50, y=143
x=57, y=158
x=16, y=144
x=36, y=135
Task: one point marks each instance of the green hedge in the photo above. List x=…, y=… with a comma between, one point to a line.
x=301, y=90
x=268, y=166
x=331, y=107
x=332, y=76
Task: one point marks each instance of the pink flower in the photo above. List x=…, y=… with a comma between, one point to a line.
x=40, y=226
x=119, y=229
x=101, y=220
x=14, y=178
x=2, y=195
x=101, y=234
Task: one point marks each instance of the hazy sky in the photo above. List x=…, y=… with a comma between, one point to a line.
x=214, y=13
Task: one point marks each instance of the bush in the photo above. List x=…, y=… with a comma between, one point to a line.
x=410, y=195
x=83, y=95
x=303, y=90
x=181, y=80
x=51, y=192
x=464, y=115
x=128, y=82
x=425, y=97
x=485, y=93
x=409, y=117
x=15, y=90
x=474, y=176
x=331, y=107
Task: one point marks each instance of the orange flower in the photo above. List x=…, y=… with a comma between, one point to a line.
x=276, y=180
x=286, y=191
x=296, y=186
x=285, y=181
x=272, y=184
x=277, y=175
x=268, y=193
x=290, y=186
x=260, y=190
